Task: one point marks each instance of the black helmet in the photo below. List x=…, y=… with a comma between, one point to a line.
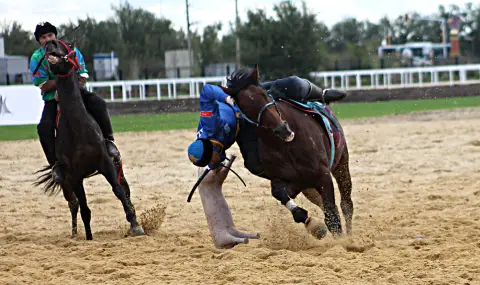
x=44, y=28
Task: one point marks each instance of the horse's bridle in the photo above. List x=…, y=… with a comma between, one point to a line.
x=257, y=123
x=68, y=57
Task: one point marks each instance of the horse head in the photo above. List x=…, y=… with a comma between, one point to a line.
x=258, y=107
x=62, y=57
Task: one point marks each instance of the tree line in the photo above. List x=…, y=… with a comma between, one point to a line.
x=293, y=42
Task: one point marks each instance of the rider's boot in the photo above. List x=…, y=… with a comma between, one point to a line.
x=325, y=96
x=103, y=120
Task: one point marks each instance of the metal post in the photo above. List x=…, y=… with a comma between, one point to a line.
x=189, y=42
x=444, y=39
x=237, y=25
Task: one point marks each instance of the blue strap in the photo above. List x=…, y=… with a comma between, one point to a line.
x=318, y=105
x=330, y=135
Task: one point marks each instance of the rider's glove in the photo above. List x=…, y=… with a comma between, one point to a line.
x=229, y=100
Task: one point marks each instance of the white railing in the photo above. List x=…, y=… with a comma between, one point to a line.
x=349, y=80
x=399, y=77
x=170, y=84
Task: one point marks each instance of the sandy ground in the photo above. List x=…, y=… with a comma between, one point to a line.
x=416, y=182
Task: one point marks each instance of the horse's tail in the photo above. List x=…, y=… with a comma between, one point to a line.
x=51, y=187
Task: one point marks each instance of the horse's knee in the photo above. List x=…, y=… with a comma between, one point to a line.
x=254, y=168
x=119, y=192
x=280, y=191
x=253, y=164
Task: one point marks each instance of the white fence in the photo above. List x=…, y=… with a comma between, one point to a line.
x=22, y=104
x=170, y=84
x=349, y=80
x=399, y=77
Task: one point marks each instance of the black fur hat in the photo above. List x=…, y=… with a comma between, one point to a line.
x=44, y=28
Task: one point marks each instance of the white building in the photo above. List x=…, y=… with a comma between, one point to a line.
x=14, y=69
x=105, y=66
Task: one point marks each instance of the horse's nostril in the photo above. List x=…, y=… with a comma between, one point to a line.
x=283, y=131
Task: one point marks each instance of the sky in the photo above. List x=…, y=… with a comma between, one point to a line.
x=205, y=12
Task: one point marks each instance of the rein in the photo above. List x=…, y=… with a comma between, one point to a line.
x=257, y=123
x=200, y=179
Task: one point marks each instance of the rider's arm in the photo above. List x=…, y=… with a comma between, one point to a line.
x=40, y=78
x=49, y=85
x=83, y=68
x=209, y=113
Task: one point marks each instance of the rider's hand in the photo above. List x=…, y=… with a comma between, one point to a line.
x=229, y=100
x=216, y=165
x=81, y=81
x=56, y=96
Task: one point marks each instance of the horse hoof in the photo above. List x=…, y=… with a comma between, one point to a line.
x=137, y=231
x=316, y=228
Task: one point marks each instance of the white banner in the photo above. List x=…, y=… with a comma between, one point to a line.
x=20, y=105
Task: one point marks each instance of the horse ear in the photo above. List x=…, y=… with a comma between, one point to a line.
x=255, y=74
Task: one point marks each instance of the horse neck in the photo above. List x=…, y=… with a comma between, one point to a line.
x=71, y=102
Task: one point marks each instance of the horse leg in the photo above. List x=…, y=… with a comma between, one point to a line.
x=72, y=204
x=313, y=196
x=280, y=192
x=326, y=190
x=110, y=174
x=123, y=181
x=77, y=185
x=344, y=181
x=315, y=227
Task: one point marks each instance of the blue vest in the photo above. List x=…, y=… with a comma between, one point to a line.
x=219, y=121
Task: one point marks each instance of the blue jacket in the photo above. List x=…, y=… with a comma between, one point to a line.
x=219, y=122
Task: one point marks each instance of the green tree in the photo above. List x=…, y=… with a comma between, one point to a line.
x=17, y=40
x=293, y=44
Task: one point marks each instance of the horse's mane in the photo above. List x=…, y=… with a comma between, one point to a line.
x=240, y=79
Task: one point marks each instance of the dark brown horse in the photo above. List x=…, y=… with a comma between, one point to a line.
x=80, y=146
x=295, y=150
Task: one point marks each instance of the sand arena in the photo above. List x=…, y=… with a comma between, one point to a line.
x=416, y=193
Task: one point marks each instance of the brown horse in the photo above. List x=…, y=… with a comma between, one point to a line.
x=296, y=152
